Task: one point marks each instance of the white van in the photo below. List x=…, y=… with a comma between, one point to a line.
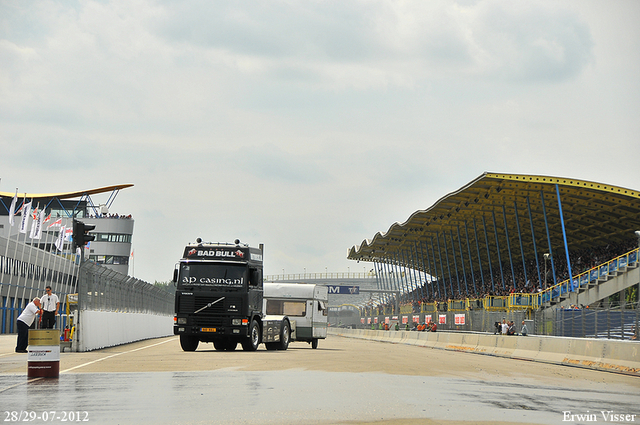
x=303, y=303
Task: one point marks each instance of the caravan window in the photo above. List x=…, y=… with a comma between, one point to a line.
x=287, y=308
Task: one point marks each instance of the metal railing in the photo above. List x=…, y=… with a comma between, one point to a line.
x=590, y=277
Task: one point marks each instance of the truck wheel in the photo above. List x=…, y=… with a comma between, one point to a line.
x=252, y=342
x=188, y=342
x=285, y=336
x=314, y=343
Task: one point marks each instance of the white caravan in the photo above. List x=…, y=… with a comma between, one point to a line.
x=303, y=303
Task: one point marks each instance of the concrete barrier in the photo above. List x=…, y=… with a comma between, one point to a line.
x=505, y=345
x=608, y=355
x=528, y=348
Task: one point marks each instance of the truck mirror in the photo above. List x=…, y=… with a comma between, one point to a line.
x=175, y=275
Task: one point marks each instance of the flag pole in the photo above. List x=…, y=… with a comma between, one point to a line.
x=26, y=213
x=51, y=254
x=36, y=230
x=32, y=233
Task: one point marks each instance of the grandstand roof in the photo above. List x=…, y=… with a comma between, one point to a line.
x=67, y=195
x=594, y=214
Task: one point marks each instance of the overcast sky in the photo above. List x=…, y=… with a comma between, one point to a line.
x=308, y=125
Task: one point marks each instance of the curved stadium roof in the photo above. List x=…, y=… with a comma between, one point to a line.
x=67, y=195
x=501, y=205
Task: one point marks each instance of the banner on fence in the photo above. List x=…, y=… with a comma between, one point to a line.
x=460, y=319
x=442, y=319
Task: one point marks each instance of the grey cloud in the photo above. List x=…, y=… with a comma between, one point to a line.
x=534, y=43
x=271, y=163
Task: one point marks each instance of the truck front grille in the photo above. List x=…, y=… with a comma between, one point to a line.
x=215, y=314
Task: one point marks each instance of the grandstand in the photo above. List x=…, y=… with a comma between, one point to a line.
x=510, y=242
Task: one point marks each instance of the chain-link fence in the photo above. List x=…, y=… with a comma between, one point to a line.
x=102, y=289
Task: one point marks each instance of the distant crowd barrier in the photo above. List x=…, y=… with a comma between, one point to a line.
x=599, y=354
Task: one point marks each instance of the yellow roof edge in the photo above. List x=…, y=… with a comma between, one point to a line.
x=564, y=181
x=68, y=195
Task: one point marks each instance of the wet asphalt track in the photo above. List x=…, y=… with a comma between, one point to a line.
x=296, y=396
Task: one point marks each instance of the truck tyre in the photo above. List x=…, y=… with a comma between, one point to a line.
x=253, y=340
x=314, y=343
x=188, y=342
x=285, y=336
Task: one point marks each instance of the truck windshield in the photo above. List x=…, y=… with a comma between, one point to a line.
x=228, y=276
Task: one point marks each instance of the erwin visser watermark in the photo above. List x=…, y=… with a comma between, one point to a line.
x=601, y=416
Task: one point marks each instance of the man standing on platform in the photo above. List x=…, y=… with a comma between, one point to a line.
x=25, y=321
x=49, y=305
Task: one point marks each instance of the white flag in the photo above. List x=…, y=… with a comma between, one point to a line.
x=38, y=225
x=26, y=213
x=12, y=209
x=59, y=243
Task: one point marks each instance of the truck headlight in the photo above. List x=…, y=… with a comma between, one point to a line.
x=236, y=322
x=182, y=320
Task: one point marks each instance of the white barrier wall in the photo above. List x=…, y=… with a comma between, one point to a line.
x=100, y=329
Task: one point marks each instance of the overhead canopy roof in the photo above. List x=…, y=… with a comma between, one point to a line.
x=594, y=214
x=67, y=195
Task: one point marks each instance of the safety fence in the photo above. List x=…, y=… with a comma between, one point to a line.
x=115, y=308
x=25, y=271
x=619, y=322
x=103, y=289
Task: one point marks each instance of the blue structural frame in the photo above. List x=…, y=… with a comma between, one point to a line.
x=455, y=262
x=533, y=238
x=564, y=237
x=444, y=282
x=486, y=241
x=473, y=277
x=438, y=279
x=546, y=225
x=524, y=264
x=506, y=231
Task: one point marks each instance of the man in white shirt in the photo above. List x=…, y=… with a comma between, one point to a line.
x=25, y=321
x=50, y=305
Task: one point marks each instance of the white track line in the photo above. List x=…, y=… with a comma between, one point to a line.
x=88, y=363
x=117, y=354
